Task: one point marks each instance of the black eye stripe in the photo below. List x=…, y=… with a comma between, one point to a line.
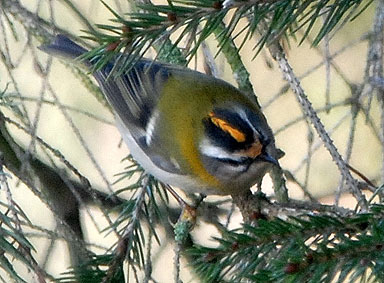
x=243, y=162
x=219, y=137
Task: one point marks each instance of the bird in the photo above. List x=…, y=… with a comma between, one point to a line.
x=187, y=129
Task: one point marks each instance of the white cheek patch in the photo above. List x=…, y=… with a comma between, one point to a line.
x=226, y=169
x=208, y=149
x=211, y=150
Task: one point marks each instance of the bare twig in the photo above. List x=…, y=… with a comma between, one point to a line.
x=374, y=68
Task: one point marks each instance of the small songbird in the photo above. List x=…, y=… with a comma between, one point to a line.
x=185, y=128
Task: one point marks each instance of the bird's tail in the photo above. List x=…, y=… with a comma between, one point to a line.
x=65, y=48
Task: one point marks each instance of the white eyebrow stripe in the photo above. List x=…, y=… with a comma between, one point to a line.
x=244, y=116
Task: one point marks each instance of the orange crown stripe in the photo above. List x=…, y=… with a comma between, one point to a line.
x=238, y=135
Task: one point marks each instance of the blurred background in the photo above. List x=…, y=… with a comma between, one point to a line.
x=63, y=112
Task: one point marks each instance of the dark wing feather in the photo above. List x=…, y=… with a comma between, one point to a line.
x=133, y=95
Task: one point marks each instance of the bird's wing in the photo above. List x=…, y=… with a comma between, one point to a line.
x=134, y=96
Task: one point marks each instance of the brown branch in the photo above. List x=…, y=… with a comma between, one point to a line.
x=258, y=206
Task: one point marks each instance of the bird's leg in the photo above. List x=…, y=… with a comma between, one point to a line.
x=187, y=218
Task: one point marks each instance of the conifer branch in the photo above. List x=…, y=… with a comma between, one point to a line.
x=278, y=54
x=328, y=247
x=136, y=34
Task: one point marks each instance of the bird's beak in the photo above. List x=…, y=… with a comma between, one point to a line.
x=268, y=158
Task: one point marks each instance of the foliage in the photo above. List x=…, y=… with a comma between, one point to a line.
x=310, y=248
x=196, y=20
